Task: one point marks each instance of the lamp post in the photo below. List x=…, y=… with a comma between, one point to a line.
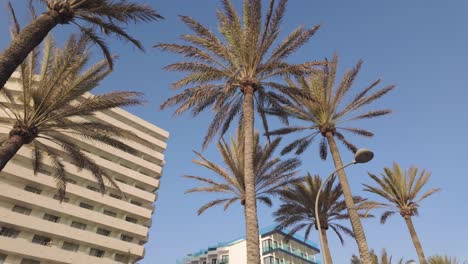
x=361, y=156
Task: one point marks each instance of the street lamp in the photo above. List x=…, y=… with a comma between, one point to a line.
x=361, y=156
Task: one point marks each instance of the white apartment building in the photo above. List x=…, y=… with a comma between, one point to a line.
x=273, y=248
x=88, y=227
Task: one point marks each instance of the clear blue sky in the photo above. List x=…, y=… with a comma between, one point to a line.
x=420, y=45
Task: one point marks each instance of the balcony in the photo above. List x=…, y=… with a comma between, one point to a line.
x=290, y=251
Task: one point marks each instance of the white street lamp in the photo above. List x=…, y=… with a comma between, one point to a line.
x=361, y=156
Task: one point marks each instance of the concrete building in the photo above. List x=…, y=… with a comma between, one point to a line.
x=273, y=248
x=88, y=227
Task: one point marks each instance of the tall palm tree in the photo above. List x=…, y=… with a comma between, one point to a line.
x=51, y=107
x=401, y=190
x=321, y=106
x=438, y=259
x=271, y=173
x=297, y=210
x=384, y=258
x=231, y=72
x=94, y=18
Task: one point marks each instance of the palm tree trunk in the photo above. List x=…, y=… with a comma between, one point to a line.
x=9, y=149
x=28, y=38
x=251, y=221
x=353, y=215
x=326, y=249
x=414, y=236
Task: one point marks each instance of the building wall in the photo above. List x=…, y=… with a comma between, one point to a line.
x=115, y=224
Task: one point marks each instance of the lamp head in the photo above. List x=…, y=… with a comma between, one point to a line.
x=363, y=156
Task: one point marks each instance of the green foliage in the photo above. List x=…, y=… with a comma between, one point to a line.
x=246, y=53
x=384, y=258
x=438, y=259
x=271, y=173
x=297, y=210
x=401, y=190
x=54, y=105
x=321, y=104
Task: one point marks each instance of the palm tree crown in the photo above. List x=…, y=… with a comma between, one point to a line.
x=52, y=109
x=322, y=105
x=245, y=56
x=437, y=259
x=271, y=173
x=384, y=258
x=401, y=189
x=297, y=210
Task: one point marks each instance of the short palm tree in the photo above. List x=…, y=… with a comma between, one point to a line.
x=438, y=259
x=297, y=210
x=271, y=173
x=401, y=189
x=384, y=258
x=234, y=72
x=51, y=106
x=94, y=18
x=321, y=106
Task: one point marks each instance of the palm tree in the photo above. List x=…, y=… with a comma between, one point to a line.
x=438, y=259
x=51, y=107
x=231, y=72
x=271, y=173
x=321, y=105
x=401, y=191
x=383, y=259
x=94, y=18
x=297, y=211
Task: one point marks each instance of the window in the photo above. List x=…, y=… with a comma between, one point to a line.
x=126, y=238
x=70, y=246
x=115, y=196
x=70, y=181
x=121, y=258
x=78, y=225
x=102, y=231
x=110, y=213
x=269, y=260
x=9, y=232
x=21, y=210
x=30, y=261
x=267, y=245
x=92, y=188
x=131, y=220
x=225, y=259
x=96, y=252
x=86, y=206
x=32, y=189
x=51, y=218
x=65, y=199
x=213, y=261
x=41, y=240
x=135, y=203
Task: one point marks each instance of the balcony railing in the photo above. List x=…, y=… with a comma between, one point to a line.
x=290, y=251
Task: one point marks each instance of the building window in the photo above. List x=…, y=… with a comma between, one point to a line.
x=126, y=238
x=121, y=258
x=92, y=188
x=96, y=252
x=102, y=231
x=131, y=220
x=30, y=261
x=9, y=232
x=135, y=203
x=225, y=259
x=70, y=181
x=78, y=225
x=268, y=260
x=115, y=196
x=42, y=240
x=214, y=261
x=86, y=206
x=65, y=199
x=51, y=218
x=69, y=246
x=110, y=213
x=32, y=189
x=21, y=210
x=267, y=245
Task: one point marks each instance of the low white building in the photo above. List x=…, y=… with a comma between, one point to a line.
x=273, y=248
